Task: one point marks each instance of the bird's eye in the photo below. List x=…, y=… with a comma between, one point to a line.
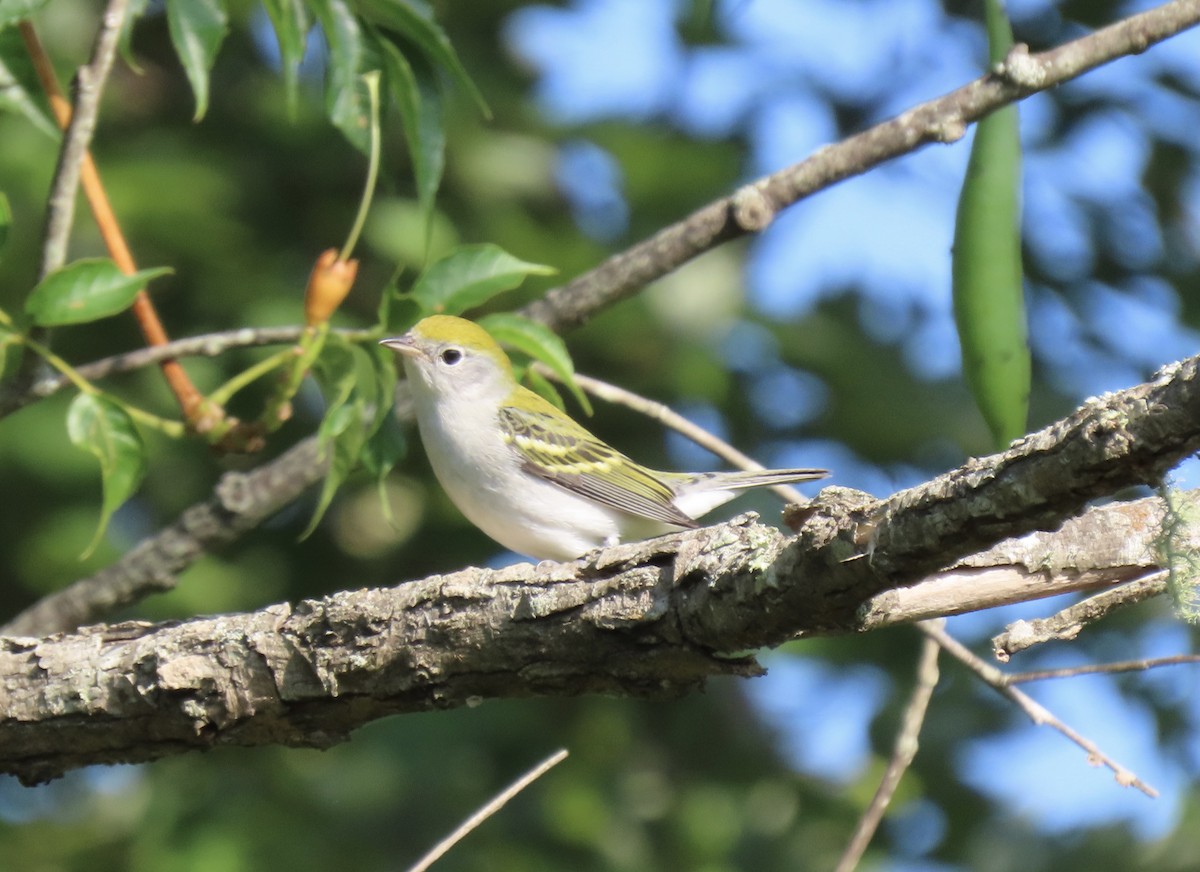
x=451, y=356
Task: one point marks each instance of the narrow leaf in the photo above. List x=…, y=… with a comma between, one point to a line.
x=105, y=430
x=470, y=276
x=290, y=20
x=386, y=447
x=539, y=342
x=19, y=84
x=85, y=290
x=198, y=28
x=989, y=304
x=345, y=101
x=343, y=434
x=5, y=219
x=414, y=21
x=414, y=87
x=545, y=387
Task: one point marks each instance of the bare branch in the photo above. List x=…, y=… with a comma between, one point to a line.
x=1103, y=668
x=494, y=805
x=1036, y=712
x=903, y=752
x=1067, y=624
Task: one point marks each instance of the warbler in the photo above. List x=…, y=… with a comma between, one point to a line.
x=528, y=475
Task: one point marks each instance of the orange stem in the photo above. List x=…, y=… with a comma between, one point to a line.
x=151, y=325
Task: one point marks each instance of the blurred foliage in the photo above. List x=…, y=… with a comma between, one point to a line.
x=238, y=206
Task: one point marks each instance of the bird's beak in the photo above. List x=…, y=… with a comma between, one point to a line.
x=404, y=345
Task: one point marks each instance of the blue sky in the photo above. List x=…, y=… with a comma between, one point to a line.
x=772, y=85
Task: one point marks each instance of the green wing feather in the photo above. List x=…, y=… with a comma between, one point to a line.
x=564, y=453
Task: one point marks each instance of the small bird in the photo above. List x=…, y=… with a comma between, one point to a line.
x=528, y=475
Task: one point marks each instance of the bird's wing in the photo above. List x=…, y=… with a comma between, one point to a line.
x=572, y=458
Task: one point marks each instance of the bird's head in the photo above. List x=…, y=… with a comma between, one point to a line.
x=454, y=357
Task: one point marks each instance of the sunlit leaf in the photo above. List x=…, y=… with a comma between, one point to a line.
x=86, y=290
x=470, y=276
x=198, y=28
x=291, y=22
x=105, y=430
x=539, y=342
x=989, y=302
x=19, y=84
x=414, y=20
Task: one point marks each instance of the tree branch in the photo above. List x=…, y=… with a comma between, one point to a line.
x=945, y=119
x=646, y=618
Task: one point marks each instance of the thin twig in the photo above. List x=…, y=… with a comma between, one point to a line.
x=1067, y=624
x=488, y=810
x=189, y=398
x=205, y=345
x=1102, y=668
x=904, y=750
x=1036, y=712
x=90, y=81
x=666, y=416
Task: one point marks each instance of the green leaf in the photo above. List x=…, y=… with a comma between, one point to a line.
x=290, y=20
x=105, y=430
x=546, y=388
x=19, y=84
x=8, y=339
x=539, y=342
x=137, y=8
x=346, y=100
x=415, y=90
x=989, y=302
x=198, y=28
x=5, y=218
x=470, y=276
x=344, y=432
x=386, y=447
x=12, y=11
x=86, y=290
x=414, y=21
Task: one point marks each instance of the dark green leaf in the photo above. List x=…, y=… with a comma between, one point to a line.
x=545, y=387
x=84, y=291
x=989, y=303
x=5, y=219
x=290, y=20
x=539, y=342
x=102, y=428
x=137, y=8
x=19, y=84
x=386, y=447
x=470, y=276
x=198, y=28
x=346, y=100
x=415, y=90
x=415, y=22
x=342, y=435
x=12, y=11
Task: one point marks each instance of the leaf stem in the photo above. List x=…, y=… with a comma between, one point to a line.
x=225, y=392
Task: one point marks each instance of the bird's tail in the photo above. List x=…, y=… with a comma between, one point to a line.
x=722, y=481
x=696, y=494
